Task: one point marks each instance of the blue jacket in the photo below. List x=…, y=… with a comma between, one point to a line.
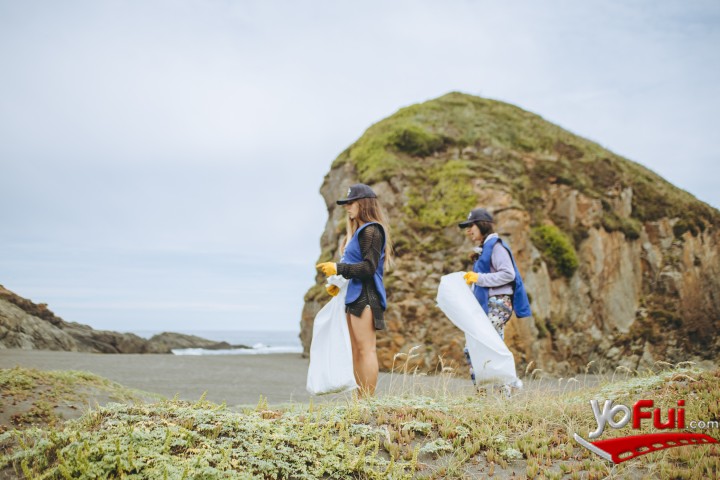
x=521, y=303
x=354, y=255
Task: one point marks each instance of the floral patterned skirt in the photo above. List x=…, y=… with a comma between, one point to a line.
x=499, y=312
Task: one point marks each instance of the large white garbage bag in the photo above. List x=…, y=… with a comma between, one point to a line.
x=491, y=359
x=331, y=364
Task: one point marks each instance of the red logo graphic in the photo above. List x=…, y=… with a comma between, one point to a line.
x=618, y=450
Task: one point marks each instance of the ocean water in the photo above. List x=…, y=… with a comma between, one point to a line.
x=261, y=341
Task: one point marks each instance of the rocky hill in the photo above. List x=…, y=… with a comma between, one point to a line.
x=27, y=325
x=622, y=267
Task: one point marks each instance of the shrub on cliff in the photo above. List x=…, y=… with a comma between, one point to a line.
x=417, y=141
x=556, y=248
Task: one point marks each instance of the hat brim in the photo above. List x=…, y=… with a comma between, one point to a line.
x=348, y=200
x=465, y=224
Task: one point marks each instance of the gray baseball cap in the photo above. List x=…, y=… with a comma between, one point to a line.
x=476, y=215
x=356, y=192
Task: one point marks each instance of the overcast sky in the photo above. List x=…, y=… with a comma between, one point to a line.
x=160, y=161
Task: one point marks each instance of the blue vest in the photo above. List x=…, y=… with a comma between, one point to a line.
x=354, y=255
x=521, y=304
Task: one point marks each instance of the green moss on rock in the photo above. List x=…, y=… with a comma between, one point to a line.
x=417, y=141
x=684, y=225
x=630, y=227
x=556, y=249
x=445, y=197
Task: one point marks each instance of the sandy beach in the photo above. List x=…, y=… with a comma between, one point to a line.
x=240, y=380
x=234, y=379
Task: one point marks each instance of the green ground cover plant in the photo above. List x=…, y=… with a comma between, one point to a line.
x=408, y=433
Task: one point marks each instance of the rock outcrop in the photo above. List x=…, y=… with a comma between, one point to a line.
x=622, y=268
x=170, y=341
x=27, y=325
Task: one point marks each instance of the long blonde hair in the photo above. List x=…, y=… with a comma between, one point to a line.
x=370, y=210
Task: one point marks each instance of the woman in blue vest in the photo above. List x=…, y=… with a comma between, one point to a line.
x=496, y=282
x=366, y=253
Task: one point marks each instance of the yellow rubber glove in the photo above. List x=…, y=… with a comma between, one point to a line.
x=332, y=289
x=328, y=268
x=471, y=277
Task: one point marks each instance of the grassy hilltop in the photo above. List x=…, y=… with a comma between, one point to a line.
x=533, y=154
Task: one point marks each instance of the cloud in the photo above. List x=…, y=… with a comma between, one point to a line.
x=172, y=132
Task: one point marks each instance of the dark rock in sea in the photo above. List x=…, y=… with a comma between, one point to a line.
x=167, y=341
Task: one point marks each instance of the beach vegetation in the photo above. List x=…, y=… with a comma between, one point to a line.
x=47, y=398
x=408, y=433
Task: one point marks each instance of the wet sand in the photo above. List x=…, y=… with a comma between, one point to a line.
x=234, y=379
x=240, y=380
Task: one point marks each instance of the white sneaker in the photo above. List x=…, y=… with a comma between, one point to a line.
x=506, y=391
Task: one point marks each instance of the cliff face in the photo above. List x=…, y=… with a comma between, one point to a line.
x=622, y=268
x=30, y=326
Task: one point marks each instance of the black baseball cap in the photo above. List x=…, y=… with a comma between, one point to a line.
x=356, y=192
x=476, y=215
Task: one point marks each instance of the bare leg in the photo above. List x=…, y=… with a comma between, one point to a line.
x=365, y=362
x=353, y=342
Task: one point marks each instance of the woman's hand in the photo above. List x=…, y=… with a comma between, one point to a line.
x=328, y=268
x=471, y=277
x=333, y=290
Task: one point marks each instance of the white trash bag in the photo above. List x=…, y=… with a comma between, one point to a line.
x=331, y=363
x=491, y=359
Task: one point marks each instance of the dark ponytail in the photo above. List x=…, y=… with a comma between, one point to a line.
x=486, y=228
